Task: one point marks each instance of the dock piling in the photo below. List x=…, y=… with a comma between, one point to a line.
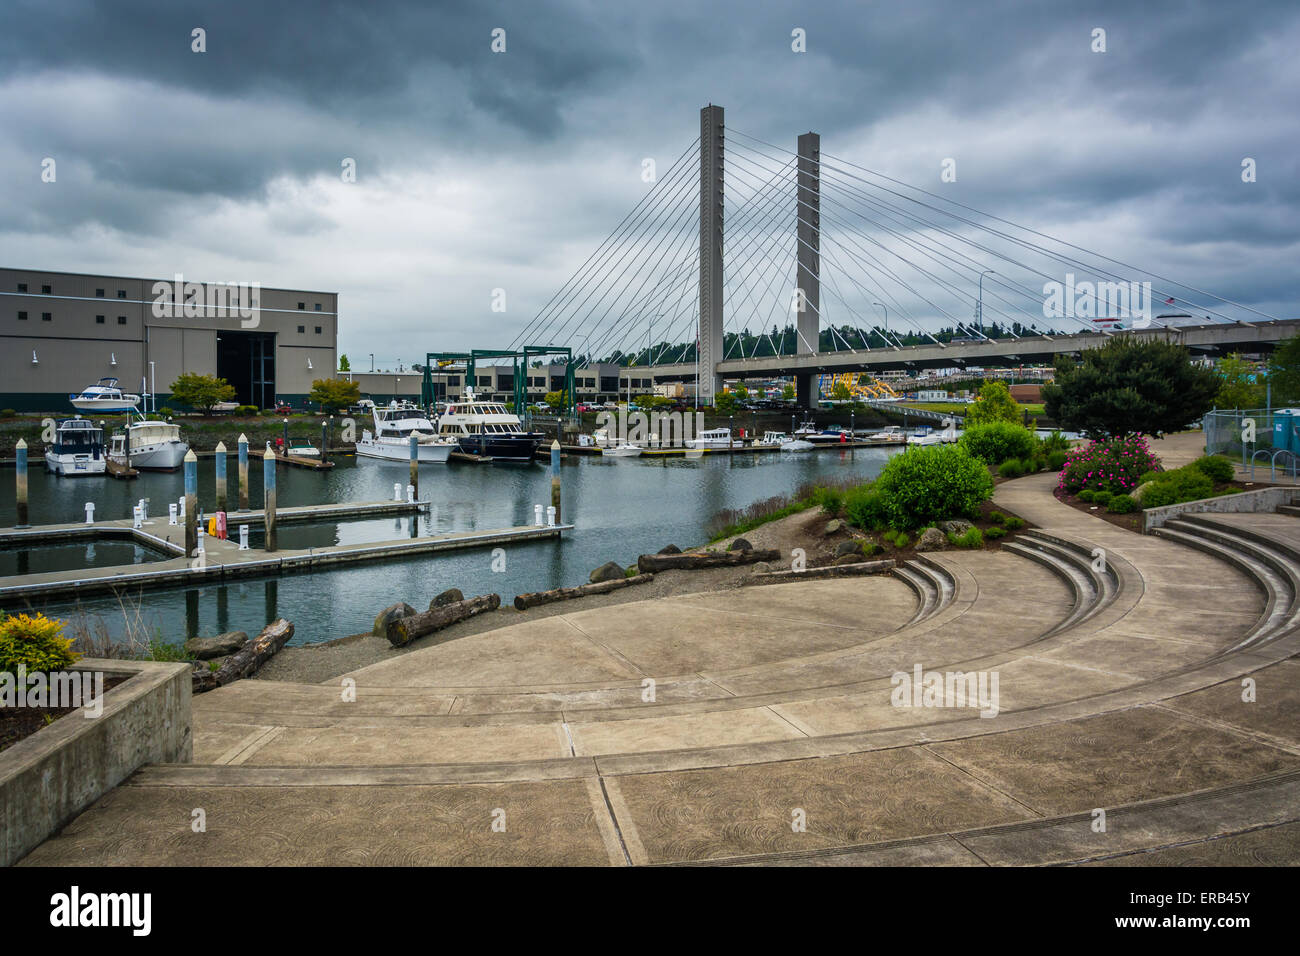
x=555, y=478
x=397, y=491
x=20, y=455
x=90, y=512
x=551, y=515
x=243, y=473
x=537, y=516
x=171, y=513
x=191, y=503
x=415, y=468
x=325, y=442
x=268, y=485
x=221, y=476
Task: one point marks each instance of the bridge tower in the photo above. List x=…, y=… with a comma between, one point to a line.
x=808, y=274
x=711, y=304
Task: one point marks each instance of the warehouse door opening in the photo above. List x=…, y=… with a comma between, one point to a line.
x=247, y=361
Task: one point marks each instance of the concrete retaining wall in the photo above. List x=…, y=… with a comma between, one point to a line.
x=1263, y=499
x=51, y=776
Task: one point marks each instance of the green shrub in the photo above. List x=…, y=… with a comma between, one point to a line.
x=7, y=413
x=830, y=499
x=1188, y=483
x=1121, y=504
x=35, y=643
x=864, y=508
x=971, y=539
x=1014, y=523
x=997, y=517
x=870, y=548
x=1101, y=498
x=246, y=410
x=1086, y=494
x=1056, y=460
x=1012, y=468
x=995, y=442
x=1217, y=468
x=900, y=540
x=994, y=533
x=931, y=483
x=1056, y=441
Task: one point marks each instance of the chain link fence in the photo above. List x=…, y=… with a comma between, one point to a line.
x=1257, y=437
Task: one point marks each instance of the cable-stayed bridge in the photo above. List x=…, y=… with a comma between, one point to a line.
x=745, y=259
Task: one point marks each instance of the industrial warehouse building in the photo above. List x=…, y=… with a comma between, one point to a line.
x=63, y=331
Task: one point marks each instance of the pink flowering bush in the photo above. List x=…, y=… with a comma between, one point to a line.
x=1113, y=464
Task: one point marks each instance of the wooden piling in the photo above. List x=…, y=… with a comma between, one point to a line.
x=243, y=472
x=268, y=486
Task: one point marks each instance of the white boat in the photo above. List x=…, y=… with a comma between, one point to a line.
x=391, y=439
x=891, y=434
x=78, y=449
x=625, y=450
x=711, y=438
x=104, y=397
x=302, y=448
x=222, y=408
x=155, y=446
x=488, y=430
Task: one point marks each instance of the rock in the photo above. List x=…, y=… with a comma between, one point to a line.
x=389, y=614
x=848, y=547
x=1137, y=493
x=670, y=549
x=449, y=596
x=958, y=526
x=762, y=567
x=834, y=526
x=855, y=558
x=740, y=544
x=609, y=571
x=206, y=648
x=932, y=540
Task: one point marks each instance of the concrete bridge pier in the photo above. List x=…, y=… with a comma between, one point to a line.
x=805, y=390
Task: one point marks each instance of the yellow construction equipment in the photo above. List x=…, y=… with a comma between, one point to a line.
x=860, y=385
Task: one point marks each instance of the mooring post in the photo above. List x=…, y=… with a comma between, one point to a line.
x=324, y=442
x=286, y=436
x=191, y=503
x=20, y=454
x=853, y=432
x=221, y=476
x=415, y=465
x=555, y=478
x=268, y=488
x=243, y=472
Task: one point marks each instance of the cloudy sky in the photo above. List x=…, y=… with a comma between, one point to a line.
x=478, y=170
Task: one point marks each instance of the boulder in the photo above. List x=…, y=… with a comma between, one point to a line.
x=1137, y=493
x=740, y=544
x=848, y=547
x=609, y=571
x=855, y=558
x=389, y=614
x=958, y=526
x=449, y=596
x=206, y=648
x=670, y=549
x=932, y=540
x=834, y=526
x=762, y=567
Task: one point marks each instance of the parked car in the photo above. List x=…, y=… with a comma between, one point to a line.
x=283, y=408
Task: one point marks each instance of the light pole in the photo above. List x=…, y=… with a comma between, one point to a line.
x=979, y=306
x=372, y=361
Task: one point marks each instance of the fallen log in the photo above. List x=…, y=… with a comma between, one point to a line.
x=406, y=629
x=524, y=601
x=255, y=653
x=648, y=563
x=882, y=566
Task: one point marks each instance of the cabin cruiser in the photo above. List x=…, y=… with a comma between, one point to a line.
x=783, y=442
x=488, y=430
x=890, y=434
x=928, y=436
x=711, y=438
x=152, y=445
x=78, y=449
x=104, y=397
x=395, y=423
x=624, y=450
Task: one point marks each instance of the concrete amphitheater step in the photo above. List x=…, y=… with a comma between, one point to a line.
x=934, y=585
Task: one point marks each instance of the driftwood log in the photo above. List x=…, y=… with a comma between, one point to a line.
x=534, y=598
x=406, y=629
x=882, y=566
x=253, y=654
x=649, y=563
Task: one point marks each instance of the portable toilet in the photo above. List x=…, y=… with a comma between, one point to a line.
x=1285, y=422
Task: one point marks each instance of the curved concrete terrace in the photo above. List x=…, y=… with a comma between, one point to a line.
x=1120, y=689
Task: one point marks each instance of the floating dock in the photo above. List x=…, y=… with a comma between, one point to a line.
x=222, y=560
x=545, y=451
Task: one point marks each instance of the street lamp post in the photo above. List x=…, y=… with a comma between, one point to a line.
x=979, y=306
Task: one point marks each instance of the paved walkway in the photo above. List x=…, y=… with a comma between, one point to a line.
x=700, y=728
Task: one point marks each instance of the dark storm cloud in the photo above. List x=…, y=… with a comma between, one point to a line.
x=509, y=169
